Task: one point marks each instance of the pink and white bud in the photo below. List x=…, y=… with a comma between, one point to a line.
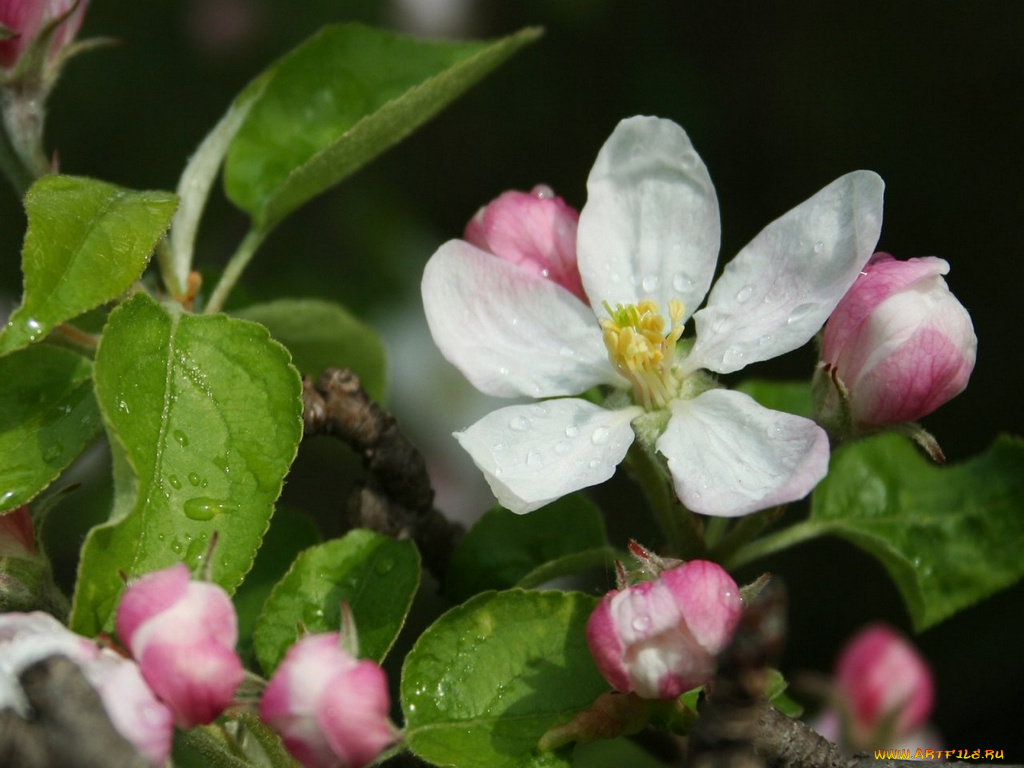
x=27, y=18
x=660, y=638
x=882, y=685
x=26, y=638
x=535, y=230
x=899, y=341
x=183, y=635
x=330, y=708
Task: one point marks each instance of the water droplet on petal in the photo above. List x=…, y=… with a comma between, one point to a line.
x=641, y=623
x=562, y=447
x=533, y=459
x=518, y=423
x=650, y=283
x=175, y=481
x=800, y=312
x=819, y=247
x=744, y=293
x=567, y=352
x=681, y=283
x=572, y=430
x=503, y=371
x=594, y=463
x=193, y=478
x=181, y=438
x=600, y=436
x=543, y=191
x=733, y=356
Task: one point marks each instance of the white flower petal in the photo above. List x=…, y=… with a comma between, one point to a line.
x=650, y=228
x=508, y=331
x=730, y=456
x=779, y=290
x=534, y=454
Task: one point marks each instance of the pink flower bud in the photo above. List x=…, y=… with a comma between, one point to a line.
x=17, y=536
x=183, y=635
x=882, y=684
x=900, y=342
x=534, y=230
x=660, y=638
x=330, y=709
x=28, y=17
x=134, y=711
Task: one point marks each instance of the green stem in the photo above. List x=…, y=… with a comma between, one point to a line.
x=236, y=265
x=744, y=529
x=776, y=542
x=678, y=523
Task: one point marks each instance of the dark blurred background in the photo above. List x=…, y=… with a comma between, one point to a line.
x=779, y=98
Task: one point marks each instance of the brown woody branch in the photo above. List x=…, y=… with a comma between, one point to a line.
x=397, y=498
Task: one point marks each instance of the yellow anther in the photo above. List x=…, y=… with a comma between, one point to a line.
x=642, y=351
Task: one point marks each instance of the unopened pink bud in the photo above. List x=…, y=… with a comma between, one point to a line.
x=28, y=17
x=899, y=341
x=883, y=683
x=660, y=638
x=534, y=230
x=330, y=709
x=183, y=635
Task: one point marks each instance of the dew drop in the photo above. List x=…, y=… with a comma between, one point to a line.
x=744, y=293
x=122, y=406
x=181, y=438
x=562, y=447
x=641, y=623
x=205, y=508
x=681, y=283
x=193, y=478
x=600, y=436
x=572, y=430
x=543, y=191
x=594, y=463
x=35, y=328
x=515, y=322
x=650, y=283
x=175, y=481
x=503, y=371
x=176, y=547
x=53, y=451
x=518, y=423
x=800, y=312
x=733, y=356
x=819, y=247
x=567, y=352
x=384, y=566
x=533, y=459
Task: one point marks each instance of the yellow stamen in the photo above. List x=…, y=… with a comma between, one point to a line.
x=642, y=351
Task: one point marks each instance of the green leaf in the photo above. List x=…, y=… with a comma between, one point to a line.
x=320, y=335
x=503, y=548
x=290, y=533
x=340, y=99
x=376, y=575
x=490, y=677
x=48, y=415
x=87, y=242
x=789, y=396
x=948, y=536
x=208, y=412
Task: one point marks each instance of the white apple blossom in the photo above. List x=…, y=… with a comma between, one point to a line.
x=647, y=245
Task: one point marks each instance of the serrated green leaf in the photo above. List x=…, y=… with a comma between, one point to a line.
x=490, y=677
x=208, y=412
x=321, y=334
x=948, y=535
x=789, y=396
x=87, y=242
x=340, y=99
x=48, y=415
x=376, y=575
x=290, y=533
x=503, y=548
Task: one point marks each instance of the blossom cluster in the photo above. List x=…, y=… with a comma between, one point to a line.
x=330, y=709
